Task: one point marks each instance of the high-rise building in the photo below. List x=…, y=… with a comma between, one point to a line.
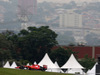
x=26, y=8
x=70, y=19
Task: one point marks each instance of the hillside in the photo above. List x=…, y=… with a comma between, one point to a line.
x=4, y=71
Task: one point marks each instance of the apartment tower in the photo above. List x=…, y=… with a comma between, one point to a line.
x=70, y=19
x=26, y=8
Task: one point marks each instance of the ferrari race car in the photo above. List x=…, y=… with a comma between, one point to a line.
x=22, y=67
x=37, y=67
x=33, y=67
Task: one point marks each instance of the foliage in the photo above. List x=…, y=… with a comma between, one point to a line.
x=27, y=45
x=24, y=62
x=4, y=55
x=4, y=48
x=4, y=43
x=35, y=42
x=87, y=62
x=30, y=45
x=13, y=41
x=61, y=55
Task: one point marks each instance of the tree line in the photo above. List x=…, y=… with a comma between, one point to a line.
x=31, y=45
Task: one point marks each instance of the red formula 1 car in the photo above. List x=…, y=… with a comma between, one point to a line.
x=22, y=67
x=37, y=67
x=33, y=67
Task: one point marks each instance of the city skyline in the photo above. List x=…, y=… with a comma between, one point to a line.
x=67, y=1
x=29, y=7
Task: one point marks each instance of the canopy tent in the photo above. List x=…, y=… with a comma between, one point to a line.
x=75, y=70
x=28, y=64
x=59, y=69
x=92, y=71
x=7, y=65
x=47, y=61
x=35, y=63
x=13, y=65
x=72, y=65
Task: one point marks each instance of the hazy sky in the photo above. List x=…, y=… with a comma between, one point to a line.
x=64, y=1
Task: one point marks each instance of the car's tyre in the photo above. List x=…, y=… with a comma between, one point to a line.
x=29, y=69
x=21, y=67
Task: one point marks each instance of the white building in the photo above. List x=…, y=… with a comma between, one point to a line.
x=70, y=19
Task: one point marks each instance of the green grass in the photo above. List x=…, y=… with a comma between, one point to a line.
x=4, y=71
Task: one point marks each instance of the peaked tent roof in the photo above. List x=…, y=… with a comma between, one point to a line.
x=28, y=64
x=92, y=71
x=56, y=64
x=47, y=61
x=72, y=63
x=7, y=65
x=58, y=70
x=35, y=63
x=13, y=65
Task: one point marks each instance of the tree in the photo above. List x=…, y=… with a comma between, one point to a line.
x=4, y=48
x=4, y=55
x=4, y=43
x=61, y=55
x=35, y=42
x=87, y=62
x=13, y=41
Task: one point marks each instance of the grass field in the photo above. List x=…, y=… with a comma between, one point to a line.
x=4, y=71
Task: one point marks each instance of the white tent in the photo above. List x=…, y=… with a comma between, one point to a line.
x=35, y=63
x=92, y=71
x=75, y=70
x=7, y=65
x=59, y=69
x=28, y=64
x=72, y=65
x=47, y=61
x=13, y=65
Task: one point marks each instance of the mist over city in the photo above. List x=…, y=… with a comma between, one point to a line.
x=75, y=21
x=49, y=37
x=67, y=1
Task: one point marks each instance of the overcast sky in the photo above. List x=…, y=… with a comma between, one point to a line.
x=65, y=1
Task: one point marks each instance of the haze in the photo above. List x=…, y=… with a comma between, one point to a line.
x=65, y=1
